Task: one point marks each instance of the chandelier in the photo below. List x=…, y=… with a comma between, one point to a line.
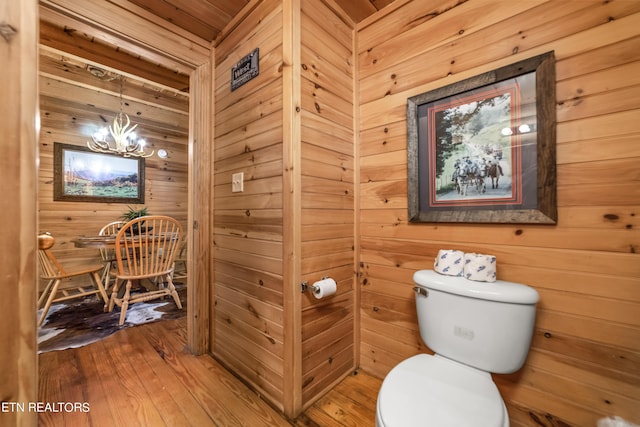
x=124, y=140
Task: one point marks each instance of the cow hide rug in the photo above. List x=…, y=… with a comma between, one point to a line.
x=77, y=323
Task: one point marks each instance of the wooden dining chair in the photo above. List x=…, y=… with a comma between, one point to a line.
x=146, y=249
x=181, y=260
x=55, y=273
x=108, y=255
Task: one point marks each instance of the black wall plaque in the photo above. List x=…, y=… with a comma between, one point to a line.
x=246, y=69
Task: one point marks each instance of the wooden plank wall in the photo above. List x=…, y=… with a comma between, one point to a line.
x=313, y=220
x=72, y=105
x=585, y=356
x=327, y=208
x=18, y=171
x=248, y=318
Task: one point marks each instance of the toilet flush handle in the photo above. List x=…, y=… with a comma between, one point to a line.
x=421, y=291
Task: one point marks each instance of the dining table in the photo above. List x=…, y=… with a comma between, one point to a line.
x=103, y=242
x=95, y=242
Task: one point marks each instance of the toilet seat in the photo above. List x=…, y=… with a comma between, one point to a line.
x=427, y=390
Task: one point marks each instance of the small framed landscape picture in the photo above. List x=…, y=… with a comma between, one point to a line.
x=82, y=175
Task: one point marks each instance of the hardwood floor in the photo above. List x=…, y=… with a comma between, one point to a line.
x=142, y=376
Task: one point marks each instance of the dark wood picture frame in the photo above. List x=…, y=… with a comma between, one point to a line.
x=500, y=123
x=82, y=175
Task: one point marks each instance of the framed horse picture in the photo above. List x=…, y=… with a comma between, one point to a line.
x=483, y=149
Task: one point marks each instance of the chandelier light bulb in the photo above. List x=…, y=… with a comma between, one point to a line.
x=100, y=134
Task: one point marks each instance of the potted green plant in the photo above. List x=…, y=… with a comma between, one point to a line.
x=132, y=214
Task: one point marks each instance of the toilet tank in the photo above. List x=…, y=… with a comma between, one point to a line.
x=485, y=325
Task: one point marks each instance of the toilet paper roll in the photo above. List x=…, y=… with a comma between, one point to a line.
x=324, y=288
x=480, y=267
x=449, y=262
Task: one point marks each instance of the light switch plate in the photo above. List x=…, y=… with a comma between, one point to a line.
x=237, y=182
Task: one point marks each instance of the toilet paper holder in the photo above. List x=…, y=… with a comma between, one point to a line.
x=305, y=285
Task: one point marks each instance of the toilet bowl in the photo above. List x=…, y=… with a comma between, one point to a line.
x=427, y=390
x=475, y=329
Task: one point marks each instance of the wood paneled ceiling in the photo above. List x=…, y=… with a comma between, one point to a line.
x=206, y=18
x=78, y=53
x=61, y=34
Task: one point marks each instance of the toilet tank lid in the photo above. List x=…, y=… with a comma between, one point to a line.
x=500, y=290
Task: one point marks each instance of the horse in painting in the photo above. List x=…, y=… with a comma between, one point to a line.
x=494, y=171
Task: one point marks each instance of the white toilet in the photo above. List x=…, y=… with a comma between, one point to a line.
x=474, y=328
